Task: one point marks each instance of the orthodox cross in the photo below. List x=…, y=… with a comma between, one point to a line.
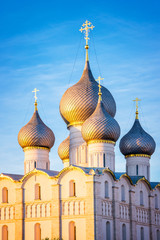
x=35, y=95
x=137, y=100
x=99, y=85
x=86, y=27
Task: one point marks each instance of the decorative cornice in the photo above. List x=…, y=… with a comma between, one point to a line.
x=138, y=155
x=74, y=124
x=65, y=160
x=35, y=147
x=101, y=141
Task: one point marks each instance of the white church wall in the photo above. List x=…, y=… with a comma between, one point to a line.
x=46, y=229
x=45, y=185
x=80, y=186
x=11, y=186
x=11, y=230
x=80, y=225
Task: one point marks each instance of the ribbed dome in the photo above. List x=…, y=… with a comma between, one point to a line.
x=80, y=100
x=63, y=149
x=36, y=133
x=100, y=126
x=137, y=141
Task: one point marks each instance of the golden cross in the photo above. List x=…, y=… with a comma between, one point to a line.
x=86, y=27
x=137, y=100
x=35, y=91
x=99, y=85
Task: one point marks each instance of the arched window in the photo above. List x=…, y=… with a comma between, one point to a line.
x=5, y=195
x=141, y=198
x=106, y=189
x=123, y=232
x=136, y=169
x=72, y=231
x=4, y=232
x=122, y=193
x=35, y=164
x=158, y=234
x=156, y=201
x=108, y=231
x=72, y=188
x=37, y=191
x=142, y=233
x=37, y=231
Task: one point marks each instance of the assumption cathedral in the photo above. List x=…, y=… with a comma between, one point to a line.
x=87, y=199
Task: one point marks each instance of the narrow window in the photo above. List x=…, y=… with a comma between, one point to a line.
x=104, y=160
x=37, y=231
x=127, y=169
x=5, y=195
x=35, y=164
x=123, y=232
x=4, y=232
x=108, y=231
x=156, y=201
x=147, y=172
x=122, y=193
x=158, y=234
x=47, y=165
x=137, y=170
x=142, y=233
x=72, y=231
x=37, y=192
x=141, y=198
x=72, y=188
x=106, y=189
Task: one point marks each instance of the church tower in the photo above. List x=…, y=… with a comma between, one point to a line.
x=36, y=139
x=79, y=102
x=137, y=146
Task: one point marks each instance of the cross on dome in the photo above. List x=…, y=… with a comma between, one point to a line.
x=35, y=96
x=137, y=100
x=86, y=28
x=99, y=85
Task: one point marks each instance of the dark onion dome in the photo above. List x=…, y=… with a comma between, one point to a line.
x=63, y=149
x=36, y=134
x=80, y=100
x=100, y=126
x=137, y=141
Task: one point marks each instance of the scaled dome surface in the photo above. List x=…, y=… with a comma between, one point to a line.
x=137, y=141
x=80, y=100
x=36, y=134
x=63, y=149
x=100, y=126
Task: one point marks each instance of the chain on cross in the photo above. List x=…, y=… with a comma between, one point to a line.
x=99, y=85
x=86, y=28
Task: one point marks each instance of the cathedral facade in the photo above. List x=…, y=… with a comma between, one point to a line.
x=87, y=199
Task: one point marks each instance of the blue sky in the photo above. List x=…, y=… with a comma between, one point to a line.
x=41, y=46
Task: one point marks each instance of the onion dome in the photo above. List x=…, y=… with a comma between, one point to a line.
x=100, y=125
x=35, y=133
x=63, y=149
x=80, y=100
x=137, y=141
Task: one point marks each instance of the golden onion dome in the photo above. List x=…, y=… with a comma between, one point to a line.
x=36, y=134
x=100, y=126
x=80, y=100
x=63, y=149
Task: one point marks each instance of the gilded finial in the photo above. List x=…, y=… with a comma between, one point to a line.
x=99, y=85
x=35, y=96
x=86, y=28
x=137, y=100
